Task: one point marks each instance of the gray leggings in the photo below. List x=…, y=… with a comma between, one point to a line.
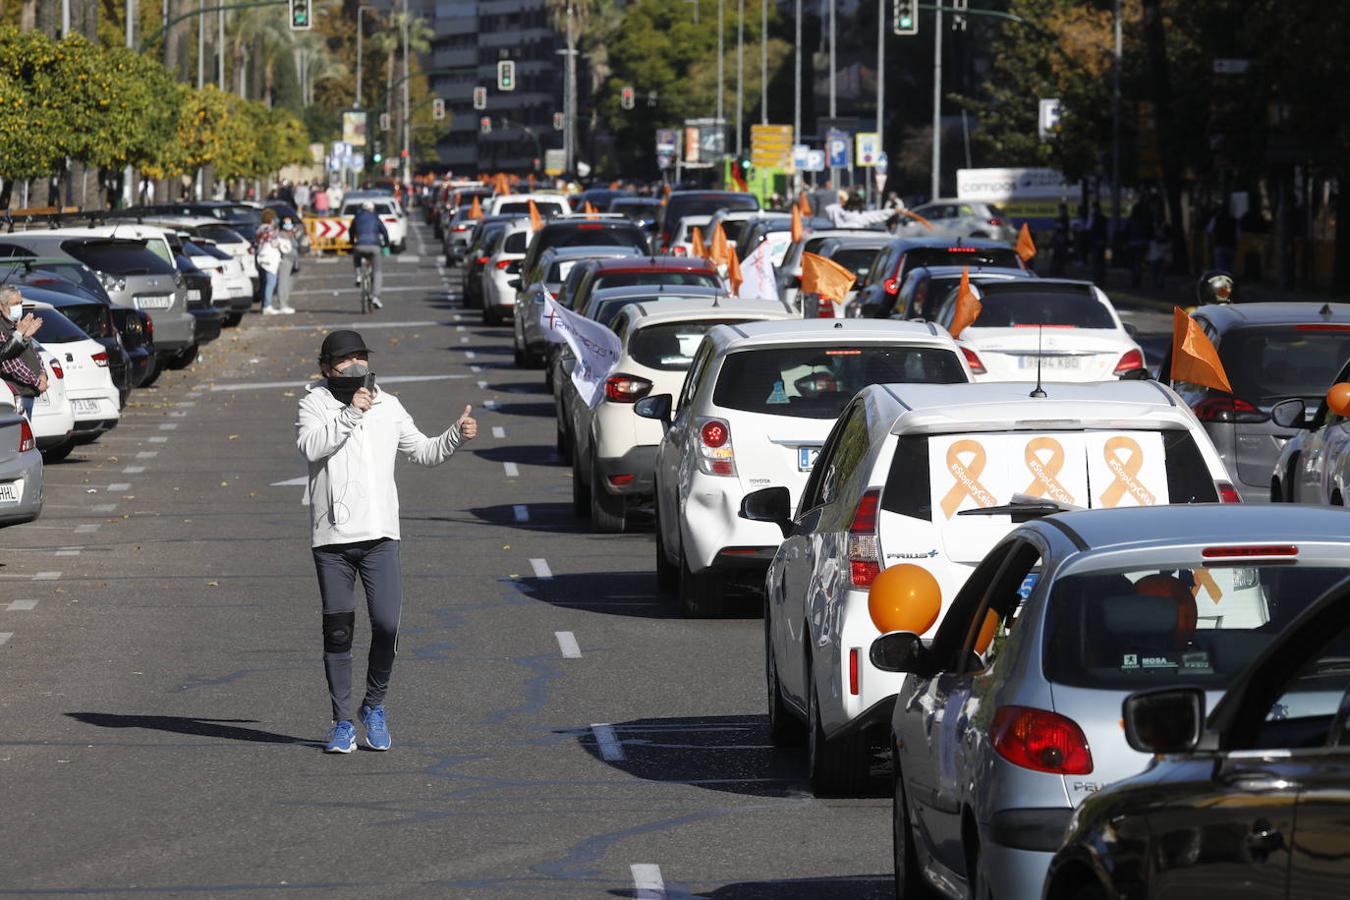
x=377, y=562
x=374, y=254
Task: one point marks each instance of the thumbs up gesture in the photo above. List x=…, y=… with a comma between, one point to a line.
x=467, y=424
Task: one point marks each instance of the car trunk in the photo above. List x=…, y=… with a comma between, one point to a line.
x=773, y=451
x=1064, y=354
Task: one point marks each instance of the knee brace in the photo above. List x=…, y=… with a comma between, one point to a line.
x=337, y=631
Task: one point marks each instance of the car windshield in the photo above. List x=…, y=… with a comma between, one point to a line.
x=632, y=279
x=634, y=209
x=237, y=213
x=87, y=317
x=1019, y=306
x=56, y=328
x=1140, y=627
x=816, y=381
x=1267, y=363
x=670, y=348
x=1002, y=257
x=119, y=257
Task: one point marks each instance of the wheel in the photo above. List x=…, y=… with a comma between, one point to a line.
x=563, y=443
x=1276, y=493
x=184, y=358
x=518, y=357
x=581, y=494
x=785, y=729
x=909, y=882
x=156, y=369
x=667, y=573
x=57, y=453
x=702, y=595
x=607, y=510
x=233, y=319
x=836, y=767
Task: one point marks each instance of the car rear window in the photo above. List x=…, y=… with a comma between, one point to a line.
x=633, y=279
x=961, y=256
x=706, y=205
x=1017, y=306
x=593, y=234
x=220, y=234
x=56, y=328
x=1269, y=363
x=856, y=259
x=557, y=272
x=816, y=381
x=87, y=317
x=670, y=348
x=733, y=230
x=1133, y=628
x=120, y=257
x=516, y=242
x=522, y=208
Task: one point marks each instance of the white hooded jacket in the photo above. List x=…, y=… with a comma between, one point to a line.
x=351, y=458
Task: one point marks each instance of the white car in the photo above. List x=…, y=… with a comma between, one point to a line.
x=93, y=397
x=682, y=241
x=930, y=477
x=614, y=450
x=229, y=280
x=53, y=419
x=549, y=205
x=502, y=272
x=206, y=229
x=1058, y=329
x=754, y=412
x=391, y=214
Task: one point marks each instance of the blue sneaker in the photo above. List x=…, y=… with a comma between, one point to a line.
x=342, y=739
x=377, y=731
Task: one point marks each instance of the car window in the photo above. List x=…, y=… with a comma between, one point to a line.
x=56, y=328
x=857, y=260
x=87, y=317
x=697, y=370
x=958, y=255
x=119, y=257
x=568, y=296
x=1269, y=363
x=880, y=264
x=848, y=452
x=1310, y=711
x=670, y=347
x=1013, y=305
x=987, y=632
x=516, y=242
x=816, y=381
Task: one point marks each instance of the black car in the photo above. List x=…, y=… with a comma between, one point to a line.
x=579, y=231
x=878, y=291
x=700, y=203
x=1252, y=803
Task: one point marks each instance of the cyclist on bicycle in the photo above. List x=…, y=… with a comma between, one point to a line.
x=368, y=235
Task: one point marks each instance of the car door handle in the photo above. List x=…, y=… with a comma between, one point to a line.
x=1263, y=839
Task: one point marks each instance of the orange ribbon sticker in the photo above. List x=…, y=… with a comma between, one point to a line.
x=1125, y=472
x=967, y=477
x=1044, y=470
x=1205, y=580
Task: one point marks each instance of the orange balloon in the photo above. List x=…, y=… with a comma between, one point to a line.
x=1338, y=399
x=987, y=632
x=904, y=598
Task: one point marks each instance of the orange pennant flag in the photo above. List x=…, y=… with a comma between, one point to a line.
x=826, y=278
x=734, y=274
x=968, y=306
x=917, y=218
x=665, y=190
x=475, y=209
x=804, y=205
x=1026, y=247
x=503, y=186
x=590, y=211
x=1194, y=359
x=536, y=220
x=719, y=250
x=698, y=249
x=797, y=230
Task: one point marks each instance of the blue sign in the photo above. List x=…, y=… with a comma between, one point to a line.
x=837, y=148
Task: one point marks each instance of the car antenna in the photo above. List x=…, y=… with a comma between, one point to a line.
x=1325, y=310
x=1038, y=392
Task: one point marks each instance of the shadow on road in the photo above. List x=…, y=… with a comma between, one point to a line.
x=226, y=729
x=544, y=410
x=531, y=454
x=854, y=887
x=615, y=593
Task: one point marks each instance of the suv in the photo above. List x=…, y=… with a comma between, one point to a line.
x=961, y=218
x=877, y=294
x=931, y=477
x=391, y=214
x=754, y=411
x=547, y=277
x=699, y=203
x=548, y=205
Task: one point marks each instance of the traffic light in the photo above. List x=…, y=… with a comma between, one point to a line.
x=506, y=74
x=377, y=155
x=559, y=121
x=480, y=98
x=437, y=108
x=626, y=97
x=485, y=125
x=906, y=17
x=302, y=18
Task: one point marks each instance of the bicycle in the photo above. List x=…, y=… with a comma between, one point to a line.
x=367, y=276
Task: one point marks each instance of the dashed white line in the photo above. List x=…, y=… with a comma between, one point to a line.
x=120, y=487
x=482, y=385
x=5, y=636
x=607, y=741
x=512, y=470
x=498, y=431
x=103, y=508
x=475, y=369
x=158, y=439
x=133, y=470
x=186, y=403
x=469, y=354
x=490, y=404
x=22, y=605
x=168, y=426
x=648, y=882
x=46, y=576
x=147, y=454
x=521, y=513
x=88, y=528
x=459, y=327
x=541, y=569
x=69, y=551
x=567, y=644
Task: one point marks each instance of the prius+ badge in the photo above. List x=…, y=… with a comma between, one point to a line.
x=929, y=555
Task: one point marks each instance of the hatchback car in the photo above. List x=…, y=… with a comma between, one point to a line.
x=579, y=231
x=20, y=466
x=926, y=476
x=960, y=219
x=754, y=411
x=790, y=268
x=549, y=205
x=93, y=397
x=53, y=420
x=477, y=254
x=699, y=203
x=502, y=271
x=95, y=318
x=602, y=274
x=879, y=290
x=856, y=253
x=547, y=276
x=928, y=287
x=390, y=212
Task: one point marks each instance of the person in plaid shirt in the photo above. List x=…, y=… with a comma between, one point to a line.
x=20, y=367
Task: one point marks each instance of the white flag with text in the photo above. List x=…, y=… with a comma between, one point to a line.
x=757, y=279
x=595, y=348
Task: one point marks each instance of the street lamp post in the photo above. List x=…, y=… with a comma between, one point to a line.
x=407, y=126
x=797, y=76
x=764, y=62
x=881, y=82
x=740, y=71
x=360, y=10
x=721, y=65
x=937, y=105
x=834, y=170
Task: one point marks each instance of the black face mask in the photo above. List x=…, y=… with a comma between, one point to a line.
x=344, y=387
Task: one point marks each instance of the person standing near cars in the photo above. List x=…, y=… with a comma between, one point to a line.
x=350, y=432
x=20, y=367
x=290, y=264
x=271, y=248
x=369, y=237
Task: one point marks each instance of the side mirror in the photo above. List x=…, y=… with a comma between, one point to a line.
x=1167, y=720
x=900, y=651
x=770, y=504
x=655, y=407
x=1289, y=413
x=513, y=283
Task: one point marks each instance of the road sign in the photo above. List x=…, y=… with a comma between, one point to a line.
x=555, y=161
x=836, y=149
x=883, y=163
x=1048, y=119
x=354, y=127
x=626, y=97
x=437, y=108
x=815, y=161
x=799, y=152
x=771, y=146
x=506, y=74
x=868, y=148
x=302, y=15
x=480, y=98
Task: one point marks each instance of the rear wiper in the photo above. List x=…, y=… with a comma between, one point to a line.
x=1023, y=508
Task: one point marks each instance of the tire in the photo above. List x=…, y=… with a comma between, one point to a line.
x=667, y=573
x=909, y=883
x=581, y=494
x=184, y=358
x=785, y=729
x=518, y=357
x=1276, y=493
x=563, y=443
x=836, y=767
x=156, y=369
x=233, y=319
x=607, y=510
x=702, y=595
x=57, y=453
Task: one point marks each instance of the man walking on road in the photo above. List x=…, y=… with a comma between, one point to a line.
x=368, y=237
x=350, y=432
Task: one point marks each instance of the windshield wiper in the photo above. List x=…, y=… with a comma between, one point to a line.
x=1023, y=508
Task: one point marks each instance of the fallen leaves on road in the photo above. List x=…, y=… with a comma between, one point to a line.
x=213, y=584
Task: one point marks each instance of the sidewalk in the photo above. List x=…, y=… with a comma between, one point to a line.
x=1177, y=290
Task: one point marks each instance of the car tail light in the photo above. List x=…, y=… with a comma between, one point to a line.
x=101, y=359
x=461, y=227
x=864, y=555
x=996, y=222
x=973, y=360
x=482, y=260
x=1228, y=493
x=716, y=454
x=620, y=480
x=1216, y=407
x=853, y=671
x=679, y=251
x=1041, y=740
x=26, y=441
x=1246, y=552
x=389, y=220
x=626, y=388
x=58, y=371
x=891, y=286
x=503, y=263
x=150, y=327
x=1130, y=362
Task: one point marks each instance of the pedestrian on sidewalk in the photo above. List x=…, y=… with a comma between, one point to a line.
x=290, y=264
x=350, y=432
x=20, y=367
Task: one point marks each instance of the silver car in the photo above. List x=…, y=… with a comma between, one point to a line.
x=1270, y=352
x=1010, y=717
x=959, y=218
x=547, y=277
x=20, y=467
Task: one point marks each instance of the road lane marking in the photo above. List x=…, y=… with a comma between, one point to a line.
x=512, y=470
x=186, y=403
x=133, y=470
x=459, y=327
x=567, y=643
x=22, y=605
x=648, y=882
x=498, y=431
x=520, y=512
x=5, y=636
x=69, y=551
x=541, y=569
x=158, y=439
x=490, y=404
x=120, y=487
x=469, y=354
x=46, y=576
x=482, y=385
x=475, y=369
x=607, y=741
x=364, y=326
x=168, y=426
x=103, y=508
x=384, y=379
x=87, y=528
x=147, y=454
x=464, y=340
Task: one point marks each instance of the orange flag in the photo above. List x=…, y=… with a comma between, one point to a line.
x=1026, y=247
x=1194, y=359
x=797, y=230
x=536, y=220
x=698, y=249
x=503, y=186
x=825, y=277
x=968, y=306
x=476, y=209
x=718, y=248
x=804, y=205
x=734, y=274
x=917, y=218
x=590, y=211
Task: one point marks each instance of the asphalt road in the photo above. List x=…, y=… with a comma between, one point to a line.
x=558, y=729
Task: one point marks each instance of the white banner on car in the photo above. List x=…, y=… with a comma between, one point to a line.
x=757, y=281
x=595, y=347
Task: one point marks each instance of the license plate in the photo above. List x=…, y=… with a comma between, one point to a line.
x=193, y=294
x=11, y=491
x=154, y=301
x=806, y=458
x=1049, y=362
x=81, y=407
